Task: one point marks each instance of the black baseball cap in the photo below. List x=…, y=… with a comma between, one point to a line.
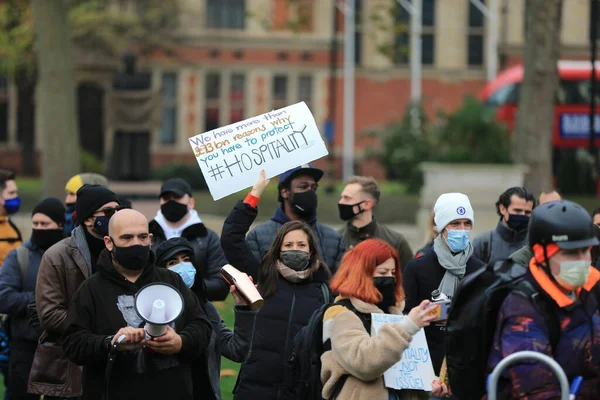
x=177, y=186
x=170, y=248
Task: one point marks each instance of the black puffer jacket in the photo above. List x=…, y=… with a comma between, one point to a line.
x=266, y=372
x=209, y=258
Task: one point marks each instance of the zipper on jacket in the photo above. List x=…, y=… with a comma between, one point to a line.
x=287, y=339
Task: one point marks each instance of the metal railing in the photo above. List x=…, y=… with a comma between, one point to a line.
x=522, y=355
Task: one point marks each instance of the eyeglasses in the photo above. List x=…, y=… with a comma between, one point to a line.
x=110, y=211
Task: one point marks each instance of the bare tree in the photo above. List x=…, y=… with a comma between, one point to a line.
x=532, y=140
x=56, y=107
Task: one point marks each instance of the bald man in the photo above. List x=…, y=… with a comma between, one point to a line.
x=145, y=369
x=524, y=254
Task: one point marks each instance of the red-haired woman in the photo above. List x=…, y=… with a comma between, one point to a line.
x=368, y=281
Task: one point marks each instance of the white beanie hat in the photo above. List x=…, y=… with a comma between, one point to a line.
x=452, y=206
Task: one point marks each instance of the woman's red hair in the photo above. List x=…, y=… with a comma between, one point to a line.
x=354, y=278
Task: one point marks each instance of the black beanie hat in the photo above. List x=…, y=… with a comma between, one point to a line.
x=53, y=208
x=90, y=198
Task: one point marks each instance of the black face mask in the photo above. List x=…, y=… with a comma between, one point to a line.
x=305, y=204
x=517, y=222
x=347, y=211
x=133, y=258
x=70, y=207
x=297, y=260
x=173, y=211
x=387, y=287
x=46, y=238
x=101, y=225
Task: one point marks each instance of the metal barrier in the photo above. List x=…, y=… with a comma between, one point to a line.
x=522, y=355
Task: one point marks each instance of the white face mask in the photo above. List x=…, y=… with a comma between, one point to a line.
x=574, y=273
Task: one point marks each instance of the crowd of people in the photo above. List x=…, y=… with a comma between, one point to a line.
x=68, y=294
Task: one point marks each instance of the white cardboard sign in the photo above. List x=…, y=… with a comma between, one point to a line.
x=231, y=157
x=414, y=370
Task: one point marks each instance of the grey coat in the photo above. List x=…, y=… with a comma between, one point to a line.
x=331, y=243
x=16, y=294
x=498, y=244
x=233, y=345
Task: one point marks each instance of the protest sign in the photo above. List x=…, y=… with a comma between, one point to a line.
x=231, y=157
x=414, y=370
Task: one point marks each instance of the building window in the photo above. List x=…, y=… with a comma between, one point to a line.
x=402, y=41
x=169, y=95
x=475, y=36
x=228, y=14
x=280, y=91
x=428, y=36
x=358, y=33
x=237, y=97
x=305, y=89
x=213, y=98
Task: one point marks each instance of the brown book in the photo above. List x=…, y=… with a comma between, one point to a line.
x=244, y=286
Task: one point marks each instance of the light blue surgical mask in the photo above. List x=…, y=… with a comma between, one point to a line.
x=458, y=240
x=187, y=272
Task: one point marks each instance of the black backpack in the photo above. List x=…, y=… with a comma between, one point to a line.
x=305, y=361
x=472, y=320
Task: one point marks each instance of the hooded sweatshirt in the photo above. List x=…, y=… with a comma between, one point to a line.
x=105, y=303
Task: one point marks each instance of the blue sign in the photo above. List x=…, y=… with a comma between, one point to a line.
x=577, y=126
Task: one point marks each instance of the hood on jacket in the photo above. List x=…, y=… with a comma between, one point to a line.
x=192, y=231
x=281, y=217
x=107, y=270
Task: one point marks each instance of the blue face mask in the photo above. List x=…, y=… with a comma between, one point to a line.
x=187, y=272
x=12, y=205
x=458, y=240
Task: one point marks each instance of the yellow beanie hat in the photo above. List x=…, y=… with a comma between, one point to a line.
x=74, y=184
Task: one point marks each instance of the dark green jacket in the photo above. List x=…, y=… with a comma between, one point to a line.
x=353, y=235
x=522, y=256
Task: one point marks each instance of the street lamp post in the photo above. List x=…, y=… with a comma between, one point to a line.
x=593, y=84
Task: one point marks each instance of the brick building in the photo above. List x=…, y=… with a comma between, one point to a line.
x=238, y=58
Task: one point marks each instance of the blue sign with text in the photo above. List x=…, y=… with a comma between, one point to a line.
x=577, y=126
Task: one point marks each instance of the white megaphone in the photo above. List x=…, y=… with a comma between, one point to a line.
x=158, y=304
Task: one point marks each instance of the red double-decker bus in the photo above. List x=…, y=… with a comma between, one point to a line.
x=571, y=115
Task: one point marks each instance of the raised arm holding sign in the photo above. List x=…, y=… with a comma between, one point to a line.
x=231, y=157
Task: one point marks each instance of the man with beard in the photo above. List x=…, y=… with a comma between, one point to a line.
x=17, y=287
x=63, y=268
x=298, y=198
x=144, y=367
x=178, y=218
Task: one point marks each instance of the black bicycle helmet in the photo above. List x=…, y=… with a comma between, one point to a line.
x=562, y=222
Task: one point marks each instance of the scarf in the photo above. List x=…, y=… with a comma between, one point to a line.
x=294, y=276
x=455, y=265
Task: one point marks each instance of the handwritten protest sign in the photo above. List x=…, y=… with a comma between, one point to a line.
x=414, y=370
x=231, y=157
